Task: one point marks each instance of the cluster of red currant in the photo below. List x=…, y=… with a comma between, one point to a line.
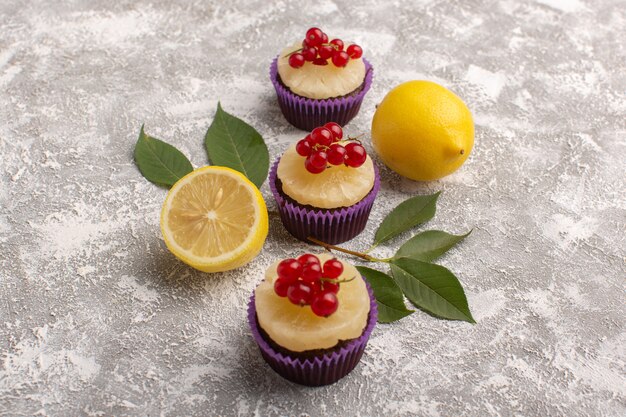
x=320, y=149
x=304, y=281
x=317, y=49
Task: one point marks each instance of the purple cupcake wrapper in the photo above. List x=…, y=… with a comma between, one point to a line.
x=329, y=226
x=307, y=113
x=320, y=370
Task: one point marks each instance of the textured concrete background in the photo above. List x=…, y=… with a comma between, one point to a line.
x=97, y=318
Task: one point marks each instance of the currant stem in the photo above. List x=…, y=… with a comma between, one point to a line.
x=294, y=52
x=302, y=49
x=330, y=247
x=356, y=138
x=336, y=281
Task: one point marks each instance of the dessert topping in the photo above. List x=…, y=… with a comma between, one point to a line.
x=320, y=148
x=317, y=49
x=305, y=281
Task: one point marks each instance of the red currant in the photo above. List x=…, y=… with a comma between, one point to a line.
x=296, y=60
x=320, y=61
x=356, y=155
x=324, y=303
x=311, y=272
x=336, y=154
x=324, y=38
x=317, y=286
x=340, y=59
x=331, y=286
x=338, y=43
x=314, y=36
x=326, y=51
x=289, y=269
x=300, y=293
x=309, y=54
x=281, y=286
x=304, y=148
x=308, y=258
x=313, y=169
x=319, y=159
x=322, y=136
x=335, y=129
x=332, y=268
x=354, y=51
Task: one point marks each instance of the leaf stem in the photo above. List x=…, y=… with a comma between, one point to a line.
x=371, y=248
x=330, y=247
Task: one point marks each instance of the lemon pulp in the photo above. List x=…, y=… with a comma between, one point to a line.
x=214, y=219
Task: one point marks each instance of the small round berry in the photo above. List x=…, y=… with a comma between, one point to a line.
x=304, y=148
x=320, y=61
x=336, y=154
x=324, y=38
x=324, y=303
x=326, y=51
x=319, y=159
x=313, y=169
x=317, y=286
x=322, y=136
x=332, y=268
x=311, y=272
x=309, y=139
x=340, y=59
x=338, y=43
x=330, y=286
x=308, y=258
x=356, y=155
x=309, y=54
x=335, y=129
x=354, y=51
x=296, y=60
x=281, y=286
x=289, y=269
x=314, y=36
x=300, y=293
x=305, y=44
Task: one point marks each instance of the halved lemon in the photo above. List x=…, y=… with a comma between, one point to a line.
x=214, y=219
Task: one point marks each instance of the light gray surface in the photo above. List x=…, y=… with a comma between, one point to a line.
x=97, y=318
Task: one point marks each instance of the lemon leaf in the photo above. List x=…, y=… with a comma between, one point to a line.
x=233, y=143
x=432, y=288
x=160, y=162
x=388, y=295
x=408, y=214
x=429, y=245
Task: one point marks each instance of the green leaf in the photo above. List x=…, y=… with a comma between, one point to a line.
x=160, y=162
x=429, y=245
x=233, y=143
x=432, y=288
x=407, y=215
x=388, y=295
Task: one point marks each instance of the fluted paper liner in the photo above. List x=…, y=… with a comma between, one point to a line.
x=307, y=113
x=323, y=370
x=330, y=226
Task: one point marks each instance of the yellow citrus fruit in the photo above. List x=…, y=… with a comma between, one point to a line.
x=422, y=130
x=214, y=219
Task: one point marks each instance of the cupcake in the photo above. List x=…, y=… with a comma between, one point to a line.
x=312, y=318
x=324, y=186
x=319, y=81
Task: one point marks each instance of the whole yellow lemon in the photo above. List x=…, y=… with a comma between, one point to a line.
x=422, y=130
